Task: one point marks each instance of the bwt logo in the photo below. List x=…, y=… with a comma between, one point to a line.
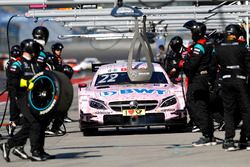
x=130, y=91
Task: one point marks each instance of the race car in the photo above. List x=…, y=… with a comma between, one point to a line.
x=113, y=100
x=71, y=62
x=86, y=64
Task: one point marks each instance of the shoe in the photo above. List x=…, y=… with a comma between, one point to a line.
x=37, y=156
x=221, y=126
x=49, y=132
x=242, y=146
x=57, y=131
x=205, y=141
x=68, y=120
x=242, y=143
x=248, y=146
x=48, y=156
x=11, y=128
x=229, y=145
x=19, y=152
x=195, y=129
x=6, y=151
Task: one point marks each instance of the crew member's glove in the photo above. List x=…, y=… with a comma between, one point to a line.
x=23, y=83
x=181, y=63
x=29, y=84
x=173, y=71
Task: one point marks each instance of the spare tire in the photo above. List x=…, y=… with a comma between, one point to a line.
x=52, y=94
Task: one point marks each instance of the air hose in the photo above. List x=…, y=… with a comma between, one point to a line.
x=8, y=44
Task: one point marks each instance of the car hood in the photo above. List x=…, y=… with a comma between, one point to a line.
x=134, y=92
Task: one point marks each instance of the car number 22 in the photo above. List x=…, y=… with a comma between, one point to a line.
x=108, y=78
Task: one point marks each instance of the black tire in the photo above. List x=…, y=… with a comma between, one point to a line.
x=90, y=131
x=67, y=93
x=52, y=94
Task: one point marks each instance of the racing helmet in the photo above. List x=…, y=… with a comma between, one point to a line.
x=57, y=46
x=16, y=51
x=234, y=29
x=176, y=43
x=189, y=24
x=41, y=33
x=68, y=71
x=30, y=46
x=216, y=37
x=197, y=29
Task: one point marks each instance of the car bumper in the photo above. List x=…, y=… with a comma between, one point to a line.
x=150, y=119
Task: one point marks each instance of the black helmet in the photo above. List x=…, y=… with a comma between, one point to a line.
x=57, y=46
x=198, y=29
x=16, y=51
x=30, y=46
x=189, y=24
x=176, y=43
x=68, y=71
x=234, y=29
x=218, y=37
x=41, y=33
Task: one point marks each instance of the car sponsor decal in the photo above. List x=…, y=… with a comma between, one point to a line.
x=168, y=110
x=129, y=91
x=103, y=112
x=123, y=69
x=112, y=70
x=133, y=112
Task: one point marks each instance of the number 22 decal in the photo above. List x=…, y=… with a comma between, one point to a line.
x=108, y=78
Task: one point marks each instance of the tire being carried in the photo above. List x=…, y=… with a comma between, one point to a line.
x=51, y=95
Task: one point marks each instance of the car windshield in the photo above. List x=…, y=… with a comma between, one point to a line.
x=122, y=78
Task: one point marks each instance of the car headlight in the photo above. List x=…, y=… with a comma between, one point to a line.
x=97, y=104
x=171, y=100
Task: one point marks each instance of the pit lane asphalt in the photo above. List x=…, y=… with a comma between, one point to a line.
x=128, y=148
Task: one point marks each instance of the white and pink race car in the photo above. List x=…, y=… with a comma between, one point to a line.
x=112, y=100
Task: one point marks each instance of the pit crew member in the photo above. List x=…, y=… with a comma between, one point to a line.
x=196, y=69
